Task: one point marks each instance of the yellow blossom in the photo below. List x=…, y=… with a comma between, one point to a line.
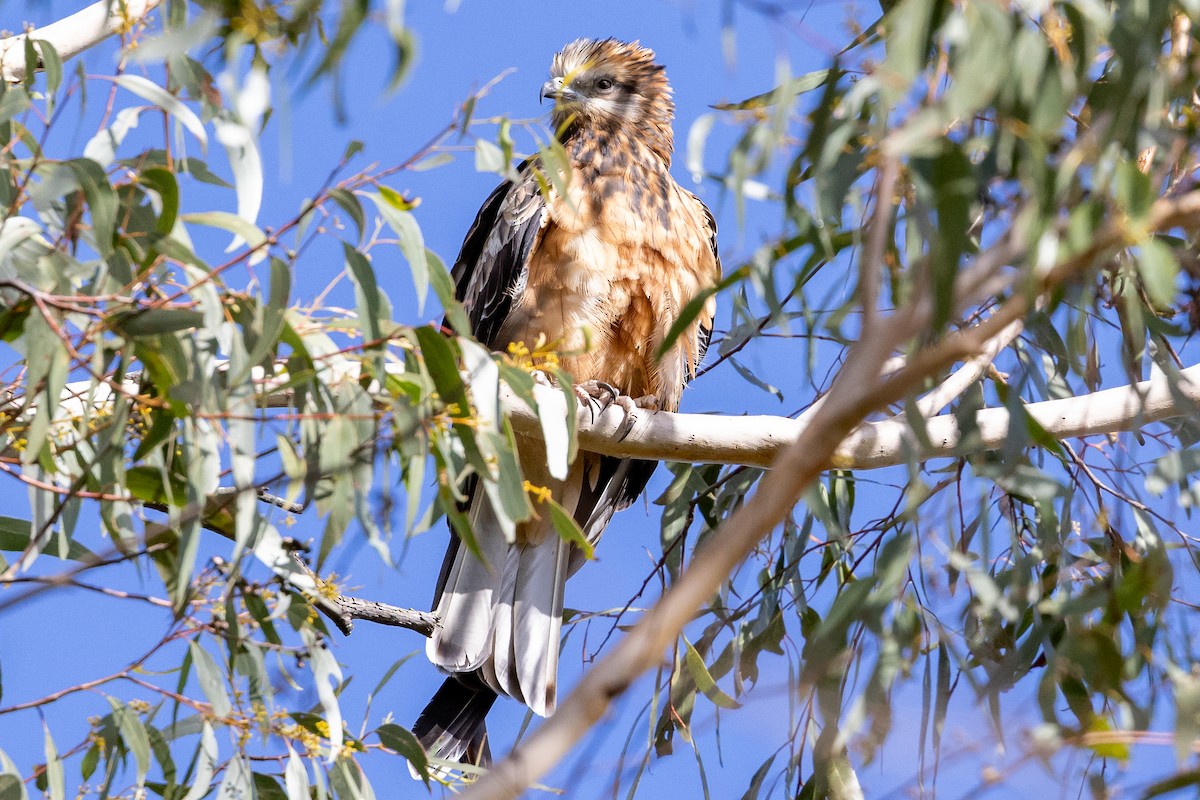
x=538, y=493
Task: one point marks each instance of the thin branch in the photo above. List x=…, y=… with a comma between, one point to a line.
x=423, y=622
x=133, y=666
x=342, y=610
x=291, y=568
x=961, y=379
x=71, y=35
x=856, y=391
x=67, y=580
x=881, y=227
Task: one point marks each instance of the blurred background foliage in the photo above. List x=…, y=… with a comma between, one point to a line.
x=172, y=377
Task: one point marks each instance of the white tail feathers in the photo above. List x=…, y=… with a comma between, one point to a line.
x=503, y=620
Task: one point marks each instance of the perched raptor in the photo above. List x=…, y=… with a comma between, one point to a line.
x=602, y=272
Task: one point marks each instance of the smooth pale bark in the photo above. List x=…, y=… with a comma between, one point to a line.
x=857, y=391
x=71, y=35
x=756, y=440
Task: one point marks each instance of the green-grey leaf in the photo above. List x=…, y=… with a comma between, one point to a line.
x=241, y=228
x=405, y=743
x=489, y=157
x=351, y=206
x=704, y=680
x=1187, y=715
x=206, y=763
x=374, y=310
x=15, y=534
x=1158, y=268
x=242, y=149
x=11, y=788
x=212, y=683
x=55, y=780
x=148, y=90
x=133, y=732
x=568, y=528
x=795, y=86
x=412, y=245
x=295, y=777
x=101, y=199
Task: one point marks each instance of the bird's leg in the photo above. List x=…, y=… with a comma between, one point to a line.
x=600, y=395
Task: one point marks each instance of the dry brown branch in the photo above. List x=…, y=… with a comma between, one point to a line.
x=342, y=609
x=857, y=391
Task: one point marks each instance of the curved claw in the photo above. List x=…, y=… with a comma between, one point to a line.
x=589, y=396
x=630, y=408
x=603, y=393
x=598, y=396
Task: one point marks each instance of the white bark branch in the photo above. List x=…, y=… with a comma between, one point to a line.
x=71, y=35
x=961, y=379
x=856, y=391
x=757, y=440
x=1125, y=408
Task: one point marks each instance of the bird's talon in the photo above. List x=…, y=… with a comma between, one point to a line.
x=597, y=392
x=587, y=401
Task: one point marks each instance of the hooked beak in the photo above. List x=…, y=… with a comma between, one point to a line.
x=555, y=90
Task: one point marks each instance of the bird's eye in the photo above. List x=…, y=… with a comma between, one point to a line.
x=604, y=84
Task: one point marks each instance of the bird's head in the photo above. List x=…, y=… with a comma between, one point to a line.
x=609, y=85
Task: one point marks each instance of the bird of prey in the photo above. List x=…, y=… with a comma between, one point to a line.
x=602, y=269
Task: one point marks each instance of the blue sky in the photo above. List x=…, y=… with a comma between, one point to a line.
x=70, y=635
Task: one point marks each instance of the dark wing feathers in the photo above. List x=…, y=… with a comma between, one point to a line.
x=477, y=234
x=492, y=267
x=704, y=335
x=489, y=272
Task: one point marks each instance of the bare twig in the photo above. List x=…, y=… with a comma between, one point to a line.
x=134, y=666
x=342, y=610
x=67, y=580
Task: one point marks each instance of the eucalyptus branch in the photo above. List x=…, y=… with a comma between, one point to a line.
x=961, y=379
x=133, y=667
x=342, y=610
x=71, y=35
x=757, y=440
x=857, y=391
